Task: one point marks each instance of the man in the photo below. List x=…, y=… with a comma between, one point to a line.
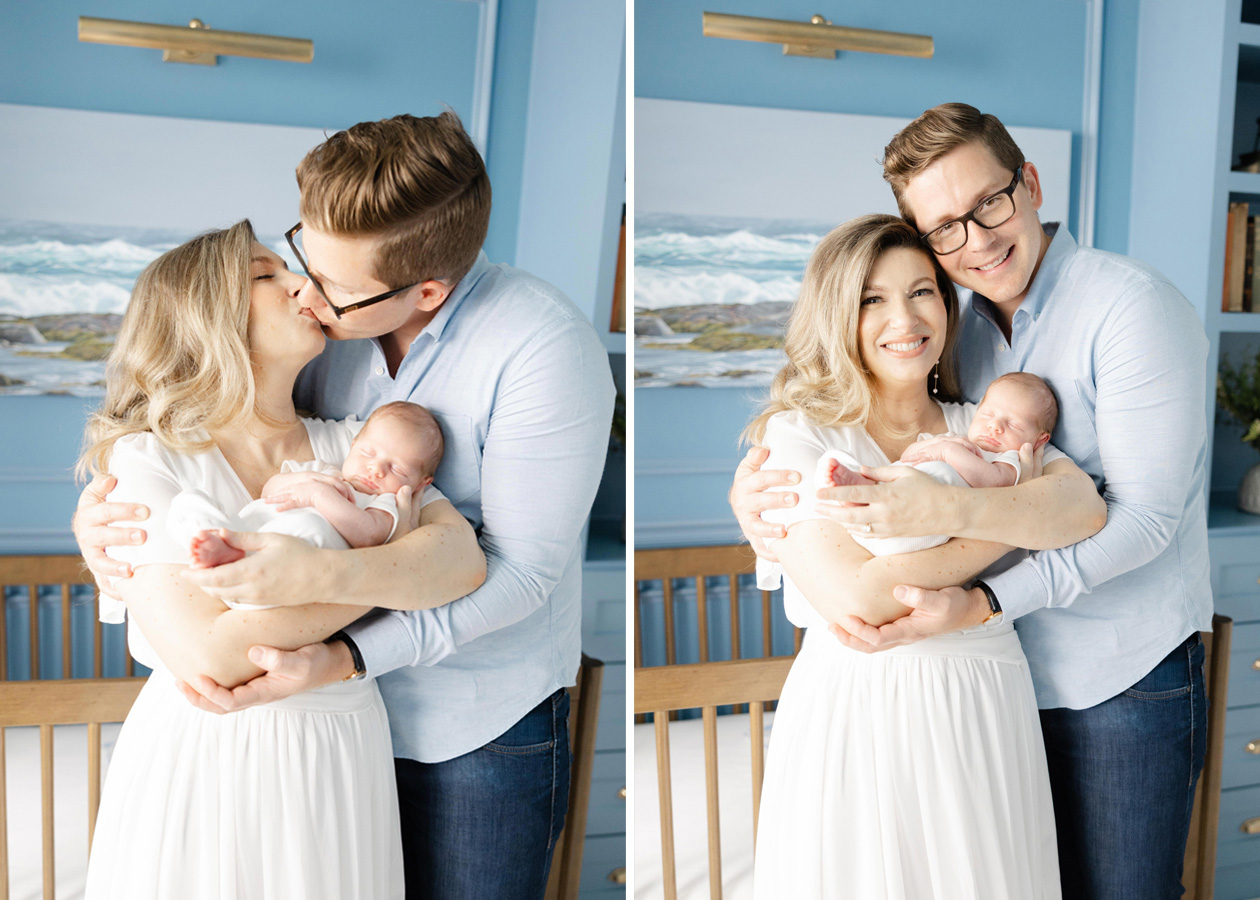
x=1110, y=625
x=393, y=217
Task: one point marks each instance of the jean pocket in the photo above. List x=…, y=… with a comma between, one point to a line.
x=520, y=749
x=1158, y=695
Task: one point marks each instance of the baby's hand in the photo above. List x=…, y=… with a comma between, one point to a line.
x=288, y=482
x=934, y=448
x=304, y=493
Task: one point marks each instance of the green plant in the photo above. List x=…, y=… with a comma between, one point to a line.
x=1238, y=393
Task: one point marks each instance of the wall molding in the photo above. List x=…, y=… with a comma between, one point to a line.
x=1091, y=114
x=478, y=123
x=41, y=474
x=666, y=466
x=24, y=540
x=685, y=532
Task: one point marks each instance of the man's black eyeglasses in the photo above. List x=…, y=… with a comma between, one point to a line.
x=992, y=211
x=319, y=288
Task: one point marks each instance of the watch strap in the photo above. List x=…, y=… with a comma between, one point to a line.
x=995, y=608
x=356, y=657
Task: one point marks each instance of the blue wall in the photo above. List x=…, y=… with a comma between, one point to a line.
x=372, y=60
x=1024, y=61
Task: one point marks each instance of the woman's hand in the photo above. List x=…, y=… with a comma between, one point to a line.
x=278, y=571
x=94, y=533
x=904, y=503
x=749, y=498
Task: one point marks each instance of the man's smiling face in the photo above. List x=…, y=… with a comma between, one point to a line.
x=997, y=263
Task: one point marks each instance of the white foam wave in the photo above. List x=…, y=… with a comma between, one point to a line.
x=42, y=296
x=736, y=248
x=657, y=289
x=111, y=256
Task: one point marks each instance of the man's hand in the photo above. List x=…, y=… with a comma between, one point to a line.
x=93, y=532
x=285, y=673
x=931, y=613
x=1030, y=462
x=278, y=571
x=749, y=499
x=408, y=513
x=906, y=503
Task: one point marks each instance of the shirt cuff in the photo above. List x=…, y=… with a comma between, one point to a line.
x=396, y=639
x=1020, y=590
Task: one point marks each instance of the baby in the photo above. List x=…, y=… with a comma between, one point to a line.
x=1017, y=408
x=355, y=506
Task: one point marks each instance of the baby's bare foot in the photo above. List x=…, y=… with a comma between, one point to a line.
x=208, y=550
x=838, y=475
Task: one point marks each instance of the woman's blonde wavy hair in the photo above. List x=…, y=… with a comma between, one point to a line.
x=825, y=378
x=180, y=365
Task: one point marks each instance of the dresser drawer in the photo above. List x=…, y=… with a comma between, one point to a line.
x=606, y=813
x=1236, y=577
x=611, y=733
x=601, y=857
x=1244, y=673
x=1234, y=847
x=1241, y=766
x=1238, y=882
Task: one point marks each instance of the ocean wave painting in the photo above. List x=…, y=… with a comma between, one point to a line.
x=712, y=295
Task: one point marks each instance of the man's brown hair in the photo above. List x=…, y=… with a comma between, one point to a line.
x=417, y=184
x=938, y=131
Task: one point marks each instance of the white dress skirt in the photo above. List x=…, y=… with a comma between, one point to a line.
x=292, y=799
x=910, y=774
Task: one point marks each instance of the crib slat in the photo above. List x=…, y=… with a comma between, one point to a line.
x=735, y=619
x=663, y=786
x=767, y=638
x=671, y=648
x=46, y=792
x=33, y=591
x=757, y=723
x=709, y=714
x=67, y=657
x=94, y=777
x=638, y=641
x=98, y=643
x=702, y=616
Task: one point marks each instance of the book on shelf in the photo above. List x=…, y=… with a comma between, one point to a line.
x=1249, y=264
x=1235, y=258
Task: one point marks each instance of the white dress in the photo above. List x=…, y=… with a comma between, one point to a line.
x=292, y=799
x=914, y=773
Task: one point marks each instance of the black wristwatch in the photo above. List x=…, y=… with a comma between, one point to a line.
x=356, y=658
x=995, y=608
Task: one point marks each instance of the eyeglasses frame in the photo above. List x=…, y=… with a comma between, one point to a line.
x=1009, y=191
x=319, y=289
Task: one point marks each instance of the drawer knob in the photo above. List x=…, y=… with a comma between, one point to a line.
x=618, y=875
x=1256, y=664
x=1251, y=826
x=1254, y=746
x=621, y=794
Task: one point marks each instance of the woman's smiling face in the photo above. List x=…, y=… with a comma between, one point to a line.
x=902, y=320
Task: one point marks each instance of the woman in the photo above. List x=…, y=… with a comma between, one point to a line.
x=917, y=772
x=292, y=799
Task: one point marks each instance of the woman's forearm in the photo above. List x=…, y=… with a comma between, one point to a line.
x=195, y=634
x=1056, y=510
x=840, y=578
x=439, y=562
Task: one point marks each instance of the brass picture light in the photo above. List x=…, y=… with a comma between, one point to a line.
x=817, y=37
x=198, y=43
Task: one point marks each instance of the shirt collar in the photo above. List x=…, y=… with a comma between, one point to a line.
x=462, y=288
x=1062, y=248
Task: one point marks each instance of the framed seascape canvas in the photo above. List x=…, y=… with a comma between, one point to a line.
x=88, y=199
x=729, y=203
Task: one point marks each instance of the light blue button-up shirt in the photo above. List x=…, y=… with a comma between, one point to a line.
x=520, y=383
x=1127, y=358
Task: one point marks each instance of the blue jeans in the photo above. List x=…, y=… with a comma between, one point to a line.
x=1123, y=775
x=483, y=825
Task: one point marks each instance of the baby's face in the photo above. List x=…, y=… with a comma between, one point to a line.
x=1006, y=420
x=385, y=457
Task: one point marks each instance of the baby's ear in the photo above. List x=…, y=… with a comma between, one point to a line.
x=428, y=479
x=1041, y=441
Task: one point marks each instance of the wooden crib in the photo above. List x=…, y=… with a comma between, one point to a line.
x=696, y=840
x=71, y=716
